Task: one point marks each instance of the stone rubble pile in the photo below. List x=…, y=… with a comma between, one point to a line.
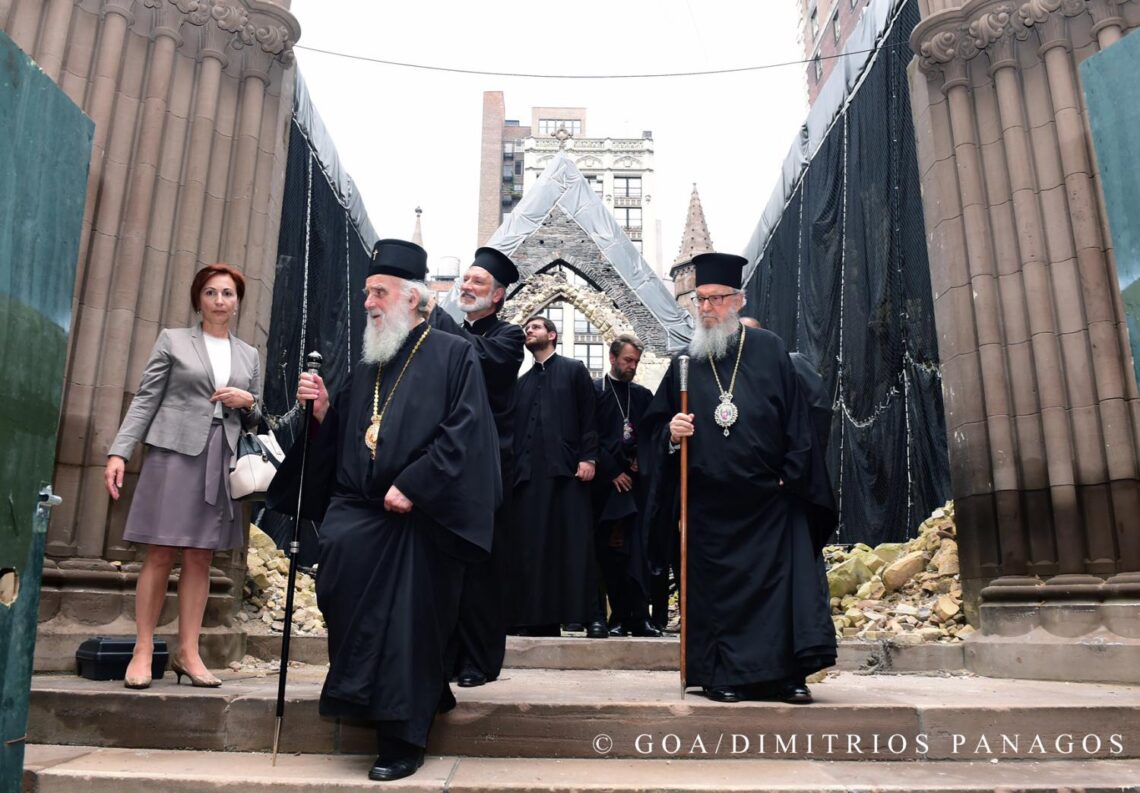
x=263, y=596
x=907, y=592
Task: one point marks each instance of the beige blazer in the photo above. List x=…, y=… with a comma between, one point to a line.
x=172, y=408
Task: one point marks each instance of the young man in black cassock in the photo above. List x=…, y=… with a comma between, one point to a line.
x=619, y=492
x=552, y=575
x=760, y=505
x=482, y=632
x=404, y=474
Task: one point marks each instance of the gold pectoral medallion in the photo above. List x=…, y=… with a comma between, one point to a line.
x=372, y=435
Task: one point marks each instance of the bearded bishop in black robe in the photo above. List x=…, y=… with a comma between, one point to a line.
x=498, y=345
x=760, y=504
x=389, y=581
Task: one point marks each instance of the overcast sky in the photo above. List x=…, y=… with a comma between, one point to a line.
x=411, y=137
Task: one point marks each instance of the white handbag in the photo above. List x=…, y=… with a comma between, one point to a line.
x=258, y=457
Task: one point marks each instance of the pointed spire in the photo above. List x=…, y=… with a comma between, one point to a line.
x=418, y=234
x=696, y=238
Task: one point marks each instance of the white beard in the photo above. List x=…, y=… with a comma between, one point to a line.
x=381, y=343
x=480, y=304
x=714, y=342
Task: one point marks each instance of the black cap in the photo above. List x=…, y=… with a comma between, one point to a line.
x=719, y=268
x=400, y=258
x=498, y=264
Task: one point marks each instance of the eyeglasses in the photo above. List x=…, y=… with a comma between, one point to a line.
x=714, y=300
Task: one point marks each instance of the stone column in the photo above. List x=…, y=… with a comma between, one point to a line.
x=165, y=82
x=1042, y=404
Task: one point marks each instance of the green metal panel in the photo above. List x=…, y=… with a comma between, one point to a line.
x=1112, y=95
x=45, y=150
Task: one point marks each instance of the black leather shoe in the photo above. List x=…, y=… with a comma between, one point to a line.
x=469, y=678
x=597, y=630
x=386, y=770
x=644, y=628
x=796, y=693
x=722, y=694
x=618, y=629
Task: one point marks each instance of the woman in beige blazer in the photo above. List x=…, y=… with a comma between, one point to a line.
x=199, y=389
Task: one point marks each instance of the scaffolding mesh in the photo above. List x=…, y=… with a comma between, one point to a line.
x=844, y=279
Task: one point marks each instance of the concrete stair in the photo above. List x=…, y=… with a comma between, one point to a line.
x=578, y=715
x=573, y=652
x=71, y=769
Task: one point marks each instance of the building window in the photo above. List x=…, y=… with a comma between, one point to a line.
x=814, y=24
x=637, y=244
x=548, y=126
x=554, y=314
x=508, y=171
x=818, y=64
x=592, y=355
x=595, y=182
x=583, y=326
x=628, y=217
x=835, y=28
x=627, y=187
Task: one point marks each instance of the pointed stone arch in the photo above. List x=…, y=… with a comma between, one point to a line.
x=560, y=240
x=546, y=288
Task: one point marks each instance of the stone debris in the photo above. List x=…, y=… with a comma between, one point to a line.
x=263, y=596
x=909, y=592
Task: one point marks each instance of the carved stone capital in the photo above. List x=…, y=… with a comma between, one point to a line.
x=167, y=20
x=236, y=24
x=1106, y=13
x=257, y=63
x=992, y=26
x=1048, y=18
x=215, y=41
x=123, y=8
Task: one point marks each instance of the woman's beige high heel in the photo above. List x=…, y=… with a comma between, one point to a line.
x=205, y=681
x=143, y=681
x=139, y=682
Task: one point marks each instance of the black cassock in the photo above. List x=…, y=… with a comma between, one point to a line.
x=618, y=402
x=482, y=608
x=552, y=577
x=388, y=583
x=758, y=606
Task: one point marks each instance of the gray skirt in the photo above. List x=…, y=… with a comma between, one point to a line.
x=184, y=501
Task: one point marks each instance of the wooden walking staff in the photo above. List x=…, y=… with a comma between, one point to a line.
x=313, y=364
x=683, y=368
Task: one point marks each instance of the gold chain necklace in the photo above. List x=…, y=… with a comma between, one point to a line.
x=726, y=412
x=372, y=434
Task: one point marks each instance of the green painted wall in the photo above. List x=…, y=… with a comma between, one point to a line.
x=1112, y=95
x=45, y=150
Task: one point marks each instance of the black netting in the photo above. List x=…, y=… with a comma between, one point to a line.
x=317, y=303
x=844, y=279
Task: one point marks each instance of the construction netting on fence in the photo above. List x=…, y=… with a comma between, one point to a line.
x=323, y=252
x=842, y=276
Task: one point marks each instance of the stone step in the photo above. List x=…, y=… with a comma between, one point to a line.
x=623, y=714
x=53, y=769
x=662, y=654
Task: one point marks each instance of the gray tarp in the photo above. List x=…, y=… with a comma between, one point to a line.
x=841, y=85
x=563, y=185
x=322, y=143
